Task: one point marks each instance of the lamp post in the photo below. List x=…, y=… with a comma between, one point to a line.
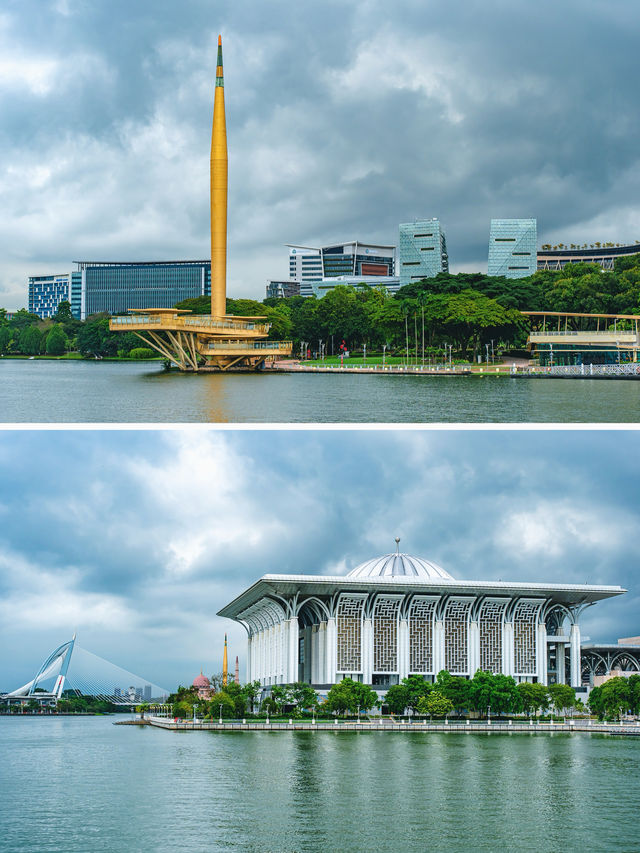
x=364, y=354
x=384, y=351
x=194, y=713
x=489, y=715
x=220, y=719
x=487, y=348
x=358, y=713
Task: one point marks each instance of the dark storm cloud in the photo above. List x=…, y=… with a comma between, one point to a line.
x=344, y=119
x=136, y=539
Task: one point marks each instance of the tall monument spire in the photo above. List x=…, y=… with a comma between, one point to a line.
x=219, y=196
x=225, y=665
x=237, y=674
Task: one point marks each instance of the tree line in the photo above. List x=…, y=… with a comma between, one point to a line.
x=465, y=311
x=485, y=695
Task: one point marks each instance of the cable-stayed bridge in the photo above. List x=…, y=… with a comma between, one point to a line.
x=71, y=670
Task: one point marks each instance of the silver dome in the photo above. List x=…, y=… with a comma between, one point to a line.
x=400, y=566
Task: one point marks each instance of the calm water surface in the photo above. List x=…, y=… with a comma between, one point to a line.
x=95, y=392
x=86, y=785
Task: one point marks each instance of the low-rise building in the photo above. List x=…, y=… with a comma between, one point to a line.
x=604, y=255
x=564, y=339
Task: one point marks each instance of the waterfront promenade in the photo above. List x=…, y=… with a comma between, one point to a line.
x=385, y=725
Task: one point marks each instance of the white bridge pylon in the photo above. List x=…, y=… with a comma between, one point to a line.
x=72, y=670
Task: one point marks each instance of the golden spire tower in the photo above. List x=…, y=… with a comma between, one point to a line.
x=225, y=664
x=219, y=172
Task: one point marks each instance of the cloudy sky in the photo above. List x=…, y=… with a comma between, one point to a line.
x=345, y=117
x=136, y=539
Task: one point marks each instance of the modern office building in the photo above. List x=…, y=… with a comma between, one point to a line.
x=363, y=260
x=602, y=254
x=320, y=288
x=116, y=287
x=282, y=289
x=561, y=339
x=397, y=615
x=422, y=250
x=46, y=292
x=512, y=247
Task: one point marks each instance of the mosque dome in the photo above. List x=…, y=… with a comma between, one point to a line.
x=201, y=681
x=400, y=566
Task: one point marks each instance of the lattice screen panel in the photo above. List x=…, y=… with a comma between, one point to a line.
x=385, y=635
x=349, y=629
x=490, y=624
x=524, y=637
x=456, y=636
x=421, y=635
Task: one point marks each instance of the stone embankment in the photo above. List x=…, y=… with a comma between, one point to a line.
x=386, y=725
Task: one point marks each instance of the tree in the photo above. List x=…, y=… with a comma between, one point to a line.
x=30, y=341
x=455, y=688
x=304, y=696
x=63, y=312
x=562, y=696
x=498, y=692
x=435, y=705
x=533, y=697
x=252, y=690
x=5, y=338
x=222, y=702
x=397, y=698
x=616, y=696
x=349, y=695
x=56, y=343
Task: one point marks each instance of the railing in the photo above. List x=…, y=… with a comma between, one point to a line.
x=276, y=346
x=200, y=321
x=628, y=369
x=612, y=332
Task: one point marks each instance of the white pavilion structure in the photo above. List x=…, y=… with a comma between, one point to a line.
x=397, y=615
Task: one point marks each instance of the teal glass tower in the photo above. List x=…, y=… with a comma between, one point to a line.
x=512, y=247
x=422, y=250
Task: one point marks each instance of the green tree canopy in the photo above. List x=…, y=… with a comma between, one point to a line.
x=56, y=342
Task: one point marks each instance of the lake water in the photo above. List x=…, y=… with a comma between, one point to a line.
x=85, y=785
x=96, y=392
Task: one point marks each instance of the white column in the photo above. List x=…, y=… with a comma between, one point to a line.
x=249, y=654
x=331, y=657
x=321, y=668
x=561, y=677
x=508, y=662
x=367, y=650
x=293, y=650
x=403, y=649
x=574, y=639
x=438, y=646
x=313, y=672
x=474, y=648
x=541, y=653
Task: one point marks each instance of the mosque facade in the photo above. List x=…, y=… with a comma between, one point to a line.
x=397, y=615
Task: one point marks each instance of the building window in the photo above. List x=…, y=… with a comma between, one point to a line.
x=385, y=635
x=349, y=631
x=421, y=635
x=456, y=636
x=490, y=626
x=525, y=617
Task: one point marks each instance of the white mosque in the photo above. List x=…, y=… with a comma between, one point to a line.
x=397, y=615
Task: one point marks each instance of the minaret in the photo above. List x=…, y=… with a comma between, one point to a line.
x=219, y=197
x=225, y=667
x=237, y=675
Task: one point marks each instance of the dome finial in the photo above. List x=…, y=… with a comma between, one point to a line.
x=397, y=544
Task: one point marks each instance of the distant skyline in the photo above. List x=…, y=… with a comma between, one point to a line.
x=344, y=119
x=135, y=539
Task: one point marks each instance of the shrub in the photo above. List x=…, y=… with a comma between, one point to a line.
x=142, y=352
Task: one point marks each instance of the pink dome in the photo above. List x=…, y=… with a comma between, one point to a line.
x=201, y=681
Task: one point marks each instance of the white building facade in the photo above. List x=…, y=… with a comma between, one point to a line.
x=398, y=615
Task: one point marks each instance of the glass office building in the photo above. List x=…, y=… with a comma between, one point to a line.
x=115, y=287
x=310, y=265
x=422, y=250
x=512, y=247
x=46, y=292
